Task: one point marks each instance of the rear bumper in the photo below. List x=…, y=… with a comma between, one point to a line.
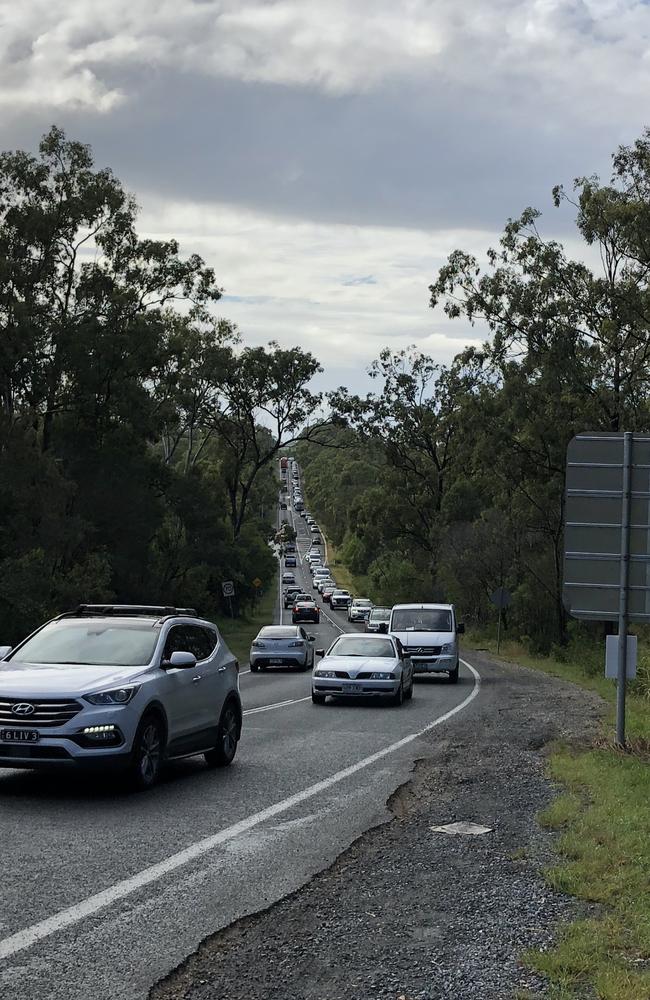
x=278, y=661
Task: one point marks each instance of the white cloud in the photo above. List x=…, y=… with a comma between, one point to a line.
x=290, y=281
x=589, y=54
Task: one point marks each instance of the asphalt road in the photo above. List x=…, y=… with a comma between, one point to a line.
x=104, y=891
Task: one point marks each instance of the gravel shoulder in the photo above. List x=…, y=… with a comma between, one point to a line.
x=412, y=914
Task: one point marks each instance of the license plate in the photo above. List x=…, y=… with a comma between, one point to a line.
x=19, y=735
x=275, y=659
x=355, y=688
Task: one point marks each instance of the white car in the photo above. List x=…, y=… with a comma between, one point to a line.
x=358, y=665
x=429, y=635
x=359, y=610
x=341, y=599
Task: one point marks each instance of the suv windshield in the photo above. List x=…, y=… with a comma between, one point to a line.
x=90, y=643
x=380, y=615
x=421, y=620
x=362, y=645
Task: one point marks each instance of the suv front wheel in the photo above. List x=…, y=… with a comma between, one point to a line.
x=147, y=753
x=225, y=749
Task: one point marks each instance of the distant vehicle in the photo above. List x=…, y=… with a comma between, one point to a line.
x=309, y=519
x=358, y=665
x=429, y=634
x=326, y=593
x=305, y=514
x=340, y=599
x=314, y=565
x=316, y=540
x=323, y=583
x=283, y=506
x=289, y=596
x=288, y=578
x=299, y=505
x=377, y=617
x=359, y=609
x=282, y=646
x=122, y=688
x=305, y=611
x=290, y=560
x=290, y=547
x=315, y=530
x=284, y=462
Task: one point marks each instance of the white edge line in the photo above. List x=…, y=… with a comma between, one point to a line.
x=278, y=704
x=29, y=936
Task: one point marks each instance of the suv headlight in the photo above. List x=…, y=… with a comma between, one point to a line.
x=325, y=673
x=447, y=648
x=379, y=675
x=118, y=696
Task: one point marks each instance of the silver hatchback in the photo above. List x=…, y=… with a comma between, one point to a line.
x=282, y=646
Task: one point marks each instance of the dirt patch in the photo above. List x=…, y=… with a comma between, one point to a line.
x=406, y=912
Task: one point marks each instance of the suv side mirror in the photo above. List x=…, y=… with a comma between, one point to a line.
x=181, y=660
x=383, y=628
x=4, y=651
x=311, y=638
x=460, y=629
x=320, y=652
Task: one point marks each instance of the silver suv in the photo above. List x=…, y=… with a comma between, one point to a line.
x=116, y=686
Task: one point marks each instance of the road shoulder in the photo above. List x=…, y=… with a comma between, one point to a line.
x=407, y=912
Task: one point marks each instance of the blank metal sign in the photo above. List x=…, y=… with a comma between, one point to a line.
x=592, y=539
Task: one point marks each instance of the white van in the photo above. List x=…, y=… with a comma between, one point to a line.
x=429, y=634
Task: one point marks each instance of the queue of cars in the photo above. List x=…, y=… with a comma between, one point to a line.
x=398, y=642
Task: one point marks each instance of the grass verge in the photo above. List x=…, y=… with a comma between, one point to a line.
x=603, y=820
x=357, y=585
x=240, y=632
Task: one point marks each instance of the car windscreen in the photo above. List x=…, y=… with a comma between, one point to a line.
x=360, y=603
x=380, y=614
x=421, y=620
x=277, y=632
x=362, y=645
x=90, y=643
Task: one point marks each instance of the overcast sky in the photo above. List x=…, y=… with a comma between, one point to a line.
x=324, y=156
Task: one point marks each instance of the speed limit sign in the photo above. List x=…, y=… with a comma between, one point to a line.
x=228, y=588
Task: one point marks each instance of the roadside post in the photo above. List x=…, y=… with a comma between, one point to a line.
x=607, y=542
x=228, y=588
x=501, y=598
x=257, y=583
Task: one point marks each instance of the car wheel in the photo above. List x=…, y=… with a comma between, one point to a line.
x=254, y=668
x=453, y=675
x=227, y=737
x=408, y=694
x=317, y=699
x=398, y=699
x=147, y=753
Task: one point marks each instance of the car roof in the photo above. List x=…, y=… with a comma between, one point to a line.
x=423, y=607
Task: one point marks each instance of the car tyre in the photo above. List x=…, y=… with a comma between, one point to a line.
x=317, y=699
x=408, y=694
x=147, y=754
x=225, y=748
x=254, y=668
x=398, y=699
x=453, y=675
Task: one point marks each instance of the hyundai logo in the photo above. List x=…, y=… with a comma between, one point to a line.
x=23, y=708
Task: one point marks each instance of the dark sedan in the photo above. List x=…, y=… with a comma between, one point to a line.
x=305, y=611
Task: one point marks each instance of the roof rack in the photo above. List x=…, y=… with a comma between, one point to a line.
x=130, y=611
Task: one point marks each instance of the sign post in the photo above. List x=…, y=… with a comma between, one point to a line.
x=607, y=538
x=501, y=598
x=228, y=588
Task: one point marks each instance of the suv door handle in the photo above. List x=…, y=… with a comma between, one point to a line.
x=196, y=678
x=220, y=670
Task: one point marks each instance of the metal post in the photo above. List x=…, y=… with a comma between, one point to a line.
x=499, y=631
x=623, y=592
x=232, y=613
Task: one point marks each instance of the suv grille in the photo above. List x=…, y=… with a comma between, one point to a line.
x=46, y=713
x=422, y=650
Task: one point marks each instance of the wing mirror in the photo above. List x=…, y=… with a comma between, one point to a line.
x=181, y=660
x=460, y=629
x=383, y=628
x=4, y=651
x=320, y=652
x=311, y=638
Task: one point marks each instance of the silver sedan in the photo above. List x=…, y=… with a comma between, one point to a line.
x=360, y=666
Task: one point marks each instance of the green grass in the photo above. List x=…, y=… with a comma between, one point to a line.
x=240, y=632
x=603, y=820
x=357, y=585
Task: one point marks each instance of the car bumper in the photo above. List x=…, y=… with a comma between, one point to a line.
x=278, y=661
x=339, y=605
x=341, y=688
x=433, y=665
x=314, y=619
x=357, y=618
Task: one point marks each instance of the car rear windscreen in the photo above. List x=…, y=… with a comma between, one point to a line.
x=278, y=632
